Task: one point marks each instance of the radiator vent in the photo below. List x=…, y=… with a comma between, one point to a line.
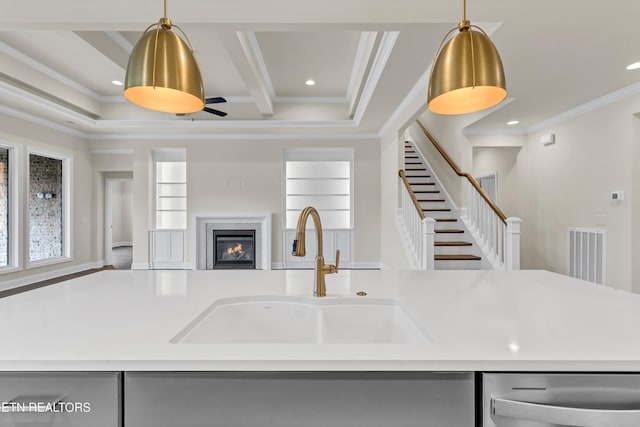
x=587, y=258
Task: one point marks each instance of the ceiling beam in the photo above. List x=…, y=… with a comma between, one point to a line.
x=239, y=48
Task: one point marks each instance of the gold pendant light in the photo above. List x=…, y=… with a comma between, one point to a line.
x=467, y=74
x=163, y=73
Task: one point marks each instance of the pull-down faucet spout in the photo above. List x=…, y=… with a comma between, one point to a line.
x=320, y=268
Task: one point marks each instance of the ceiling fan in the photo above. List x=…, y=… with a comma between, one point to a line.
x=215, y=100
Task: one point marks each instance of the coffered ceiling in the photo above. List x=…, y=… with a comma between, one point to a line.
x=365, y=56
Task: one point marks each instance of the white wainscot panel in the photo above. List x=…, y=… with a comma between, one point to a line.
x=332, y=240
x=166, y=249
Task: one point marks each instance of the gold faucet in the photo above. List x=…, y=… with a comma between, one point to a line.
x=320, y=269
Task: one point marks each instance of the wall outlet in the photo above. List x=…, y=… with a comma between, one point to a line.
x=617, y=195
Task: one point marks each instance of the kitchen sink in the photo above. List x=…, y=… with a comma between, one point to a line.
x=298, y=320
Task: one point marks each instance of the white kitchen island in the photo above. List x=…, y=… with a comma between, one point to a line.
x=114, y=342
x=473, y=321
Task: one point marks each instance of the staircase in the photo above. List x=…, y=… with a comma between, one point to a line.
x=455, y=248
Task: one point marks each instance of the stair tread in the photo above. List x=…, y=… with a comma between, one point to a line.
x=411, y=157
x=426, y=191
x=421, y=183
x=430, y=200
x=457, y=258
x=449, y=230
x=446, y=219
x=453, y=243
x=436, y=210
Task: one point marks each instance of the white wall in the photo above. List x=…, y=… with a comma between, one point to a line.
x=635, y=205
x=569, y=185
x=504, y=161
x=122, y=212
x=83, y=250
x=247, y=176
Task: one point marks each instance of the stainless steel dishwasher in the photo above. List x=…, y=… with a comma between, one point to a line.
x=583, y=400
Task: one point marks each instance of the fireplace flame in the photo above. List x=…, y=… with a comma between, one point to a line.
x=235, y=249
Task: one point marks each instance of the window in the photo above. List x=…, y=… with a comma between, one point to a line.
x=171, y=189
x=48, y=208
x=5, y=234
x=322, y=179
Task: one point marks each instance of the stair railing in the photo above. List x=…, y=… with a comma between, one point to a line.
x=421, y=230
x=497, y=235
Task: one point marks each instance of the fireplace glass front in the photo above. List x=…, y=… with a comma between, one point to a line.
x=234, y=249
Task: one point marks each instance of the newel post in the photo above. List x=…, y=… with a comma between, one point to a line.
x=429, y=239
x=512, y=244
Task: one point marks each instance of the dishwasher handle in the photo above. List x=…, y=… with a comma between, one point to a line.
x=566, y=416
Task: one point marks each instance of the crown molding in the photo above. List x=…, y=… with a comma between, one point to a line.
x=42, y=122
x=233, y=136
x=217, y=124
x=310, y=100
x=494, y=131
x=610, y=98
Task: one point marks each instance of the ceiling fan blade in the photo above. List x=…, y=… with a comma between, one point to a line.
x=216, y=100
x=216, y=112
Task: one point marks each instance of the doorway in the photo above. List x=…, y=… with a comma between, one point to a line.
x=118, y=230
x=489, y=183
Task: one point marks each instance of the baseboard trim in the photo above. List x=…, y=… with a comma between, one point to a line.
x=41, y=277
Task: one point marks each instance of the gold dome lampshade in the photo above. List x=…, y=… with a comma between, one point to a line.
x=163, y=73
x=467, y=74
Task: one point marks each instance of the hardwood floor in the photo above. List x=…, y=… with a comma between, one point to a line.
x=32, y=286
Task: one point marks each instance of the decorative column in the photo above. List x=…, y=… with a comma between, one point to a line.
x=428, y=240
x=512, y=244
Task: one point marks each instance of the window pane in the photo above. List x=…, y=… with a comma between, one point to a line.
x=315, y=186
x=171, y=171
x=172, y=204
x=171, y=195
x=315, y=169
x=171, y=219
x=45, y=208
x=318, y=202
x=329, y=219
x=4, y=207
x=172, y=190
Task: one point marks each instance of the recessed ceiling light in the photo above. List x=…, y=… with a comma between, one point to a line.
x=513, y=122
x=310, y=82
x=116, y=82
x=633, y=66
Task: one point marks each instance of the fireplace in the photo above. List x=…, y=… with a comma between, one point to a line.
x=234, y=249
x=207, y=223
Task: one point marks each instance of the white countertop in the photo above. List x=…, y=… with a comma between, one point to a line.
x=474, y=320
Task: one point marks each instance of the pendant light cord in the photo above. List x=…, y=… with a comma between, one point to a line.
x=464, y=9
x=165, y=8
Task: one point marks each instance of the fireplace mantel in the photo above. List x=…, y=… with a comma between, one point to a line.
x=258, y=221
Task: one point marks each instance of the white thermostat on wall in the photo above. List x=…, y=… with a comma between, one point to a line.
x=617, y=195
x=548, y=139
